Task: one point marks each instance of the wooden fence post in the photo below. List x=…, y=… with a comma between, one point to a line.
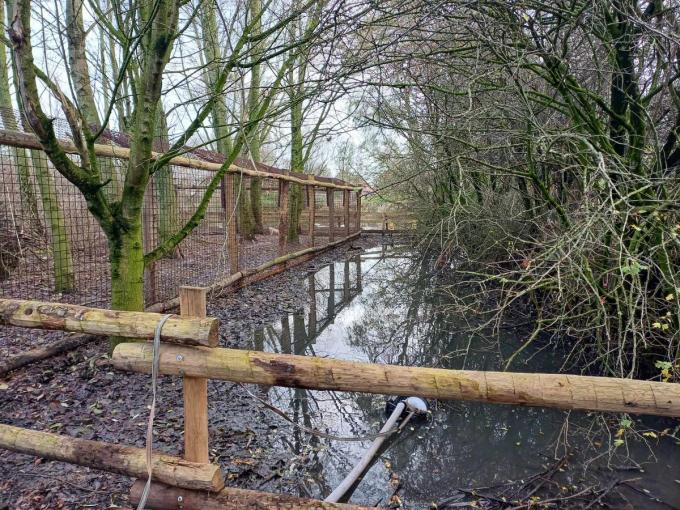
x=330, y=198
x=312, y=213
x=358, y=217
x=345, y=199
x=283, y=217
x=192, y=303
x=231, y=215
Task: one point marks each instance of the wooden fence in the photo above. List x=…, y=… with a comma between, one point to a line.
x=52, y=234
x=188, y=351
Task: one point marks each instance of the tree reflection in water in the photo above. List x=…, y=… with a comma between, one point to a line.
x=387, y=310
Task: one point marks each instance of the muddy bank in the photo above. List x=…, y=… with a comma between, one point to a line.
x=80, y=395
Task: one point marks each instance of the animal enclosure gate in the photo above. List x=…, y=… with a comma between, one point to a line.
x=52, y=248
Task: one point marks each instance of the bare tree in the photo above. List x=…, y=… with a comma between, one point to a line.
x=147, y=34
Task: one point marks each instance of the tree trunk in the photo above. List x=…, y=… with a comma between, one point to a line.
x=126, y=257
x=62, y=260
x=29, y=202
x=294, y=212
x=254, y=141
x=296, y=165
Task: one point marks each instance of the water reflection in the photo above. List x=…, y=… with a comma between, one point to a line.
x=382, y=306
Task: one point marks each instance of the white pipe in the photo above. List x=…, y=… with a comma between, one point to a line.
x=351, y=478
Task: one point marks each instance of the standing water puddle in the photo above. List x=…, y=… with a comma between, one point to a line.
x=380, y=306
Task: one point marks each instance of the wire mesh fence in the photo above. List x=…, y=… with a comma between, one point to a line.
x=52, y=248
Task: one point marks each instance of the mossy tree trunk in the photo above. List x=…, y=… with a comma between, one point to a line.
x=60, y=244
x=126, y=255
x=19, y=155
x=59, y=240
x=297, y=164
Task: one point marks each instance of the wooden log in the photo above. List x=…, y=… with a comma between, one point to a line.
x=30, y=141
x=47, y=351
x=285, y=261
x=192, y=303
x=96, y=321
x=163, y=497
x=125, y=460
x=544, y=390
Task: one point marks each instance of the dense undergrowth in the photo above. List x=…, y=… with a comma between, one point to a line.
x=539, y=144
x=604, y=284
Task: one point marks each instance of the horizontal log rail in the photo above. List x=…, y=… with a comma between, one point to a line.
x=96, y=321
x=279, y=260
x=264, y=270
x=30, y=141
x=125, y=460
x=545, y=390
x=163, y=497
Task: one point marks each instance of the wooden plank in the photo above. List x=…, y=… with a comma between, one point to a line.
x=192, y=303
x=283, y=217
x=30, y=141
x=230, y=498
x=96, y=321
x=125, y=460
x=545, y=390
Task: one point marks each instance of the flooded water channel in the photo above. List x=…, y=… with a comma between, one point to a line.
x=381, y=306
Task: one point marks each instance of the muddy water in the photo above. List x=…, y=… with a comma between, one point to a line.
x=381, y=306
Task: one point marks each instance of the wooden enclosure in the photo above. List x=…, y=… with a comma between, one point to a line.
x=61, y=253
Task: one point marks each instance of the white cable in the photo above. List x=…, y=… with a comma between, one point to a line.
x=149, y=428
